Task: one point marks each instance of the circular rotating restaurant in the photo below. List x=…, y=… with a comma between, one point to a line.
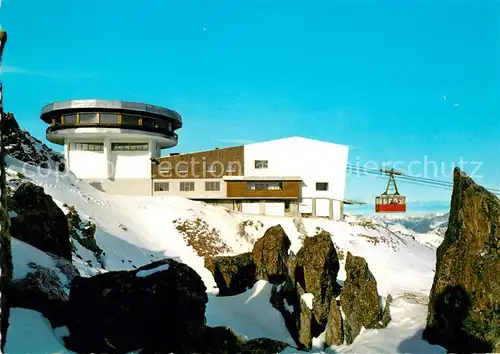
x=110, y=144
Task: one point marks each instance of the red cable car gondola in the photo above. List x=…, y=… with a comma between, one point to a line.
x=390, y=201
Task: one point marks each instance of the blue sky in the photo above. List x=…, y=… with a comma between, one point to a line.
x=370, y=76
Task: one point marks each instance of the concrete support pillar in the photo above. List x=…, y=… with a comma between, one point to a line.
x=341, y=210
x=107, y=152
x=331, y=204
x=313, y=204
x=66, y=153
x=262, y=207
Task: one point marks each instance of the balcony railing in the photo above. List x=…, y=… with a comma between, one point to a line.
x=150, y=129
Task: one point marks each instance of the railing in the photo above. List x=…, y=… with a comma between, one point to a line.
x=158, y=130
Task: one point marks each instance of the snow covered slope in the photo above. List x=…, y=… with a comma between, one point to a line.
x=133, y=231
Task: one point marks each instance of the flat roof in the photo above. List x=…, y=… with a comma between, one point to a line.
x=262, y=178
x=111, y=105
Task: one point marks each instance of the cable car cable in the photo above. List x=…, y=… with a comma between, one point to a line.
x=411, y=177
x=407, y=179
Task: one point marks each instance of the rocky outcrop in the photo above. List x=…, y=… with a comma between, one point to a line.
x=311, y=274
x=305, y=286
x=233, y=274
x=84, y=234
x=20, y=145
x=316, y=271
x=223, y=340
x=464, y=301
x=41, y=290
x=39, y=221
x=359, y=298
x=268, y=261
x=270, y=255
x=5, y=245
x=335, y=327
x=159, y=308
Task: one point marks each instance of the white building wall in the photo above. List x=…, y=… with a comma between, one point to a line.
x=312, y=160
x=274, y=208
x=87, y=164
x=130, y=164
x=323, y=207
x=251, y=207
x=116, y=172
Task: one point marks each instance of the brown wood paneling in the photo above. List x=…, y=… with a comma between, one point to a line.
x=198, y=163
x=239, y=189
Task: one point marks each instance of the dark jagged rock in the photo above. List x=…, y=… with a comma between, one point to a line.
x=334, y=329
x=359, y=298
x=316, y=271
x=284, y=298
x=464, y=303
x=270, y=255
x=41, y=290
x=305, y=320
x=159, y=308
x=233, y=274
x=5, y=243
x=84, y=233
x=20, y=145
x=386, y=312
x=223, y=340
x=39, y=221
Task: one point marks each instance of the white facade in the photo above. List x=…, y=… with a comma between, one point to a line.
x=314, y=161
x=115, y=171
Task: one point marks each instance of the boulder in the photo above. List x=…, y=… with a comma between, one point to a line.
x=464, y=302
x=359, y=298
x=39, y=221
x=84, y=234
x=284, y=298
x=305, y=318
x=233, y=274
x=316, y=270
x=288, y=299
x=159, y=308
x=313, y=271
x=334, y=328
x=41, y=290
x=223, y=340
x=270, y=255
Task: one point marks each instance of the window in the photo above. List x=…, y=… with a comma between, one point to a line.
x=260, y=164
x=265, y=186
x=161, y=187
x=321, y=186
x=129, y=146
x=186, y=186
x=231, y=167
x=212, y=168
x=212, y=186
x=108, y=118
x=182, y=167
x=164, y=167
x=150, y=123
x=128, y=119
x=69, y=119
x=163, y=125
x=86, y=146
x=87, y=118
